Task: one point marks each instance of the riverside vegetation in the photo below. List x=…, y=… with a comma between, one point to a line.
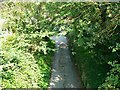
x=26, y=48
x=94, y=40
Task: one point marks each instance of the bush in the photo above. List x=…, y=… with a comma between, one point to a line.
x=94, y=41
x=113, y=78
x=26, y=53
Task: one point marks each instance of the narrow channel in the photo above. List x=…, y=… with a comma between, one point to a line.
x=64, y=74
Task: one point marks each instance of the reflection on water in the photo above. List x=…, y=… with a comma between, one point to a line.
x=63, y=71
x=61, y=41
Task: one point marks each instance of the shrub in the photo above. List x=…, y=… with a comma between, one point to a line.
x=25, y=53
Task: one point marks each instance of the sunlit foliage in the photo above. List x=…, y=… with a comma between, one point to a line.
x=26, y=48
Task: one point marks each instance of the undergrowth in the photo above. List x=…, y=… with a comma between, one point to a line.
x=26, y=49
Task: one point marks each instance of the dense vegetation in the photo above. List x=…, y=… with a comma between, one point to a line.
x=26, y=49
x=95, y=43
x=93, y=32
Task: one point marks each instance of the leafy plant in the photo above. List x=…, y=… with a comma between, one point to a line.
x=26, y=48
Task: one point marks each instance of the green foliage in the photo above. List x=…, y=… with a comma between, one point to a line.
x=113, y=78
x=25, y=61
x=92, y=73
x=26, y=48
x=94, y=40
x=92, y=28
x=16, y=64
